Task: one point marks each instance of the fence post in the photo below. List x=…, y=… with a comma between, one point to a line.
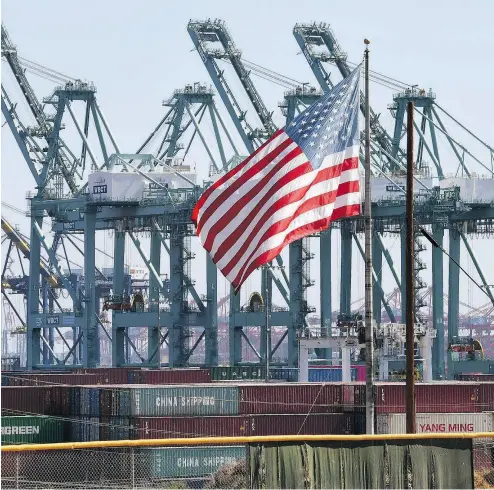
x=17, y=470
x=132, y=466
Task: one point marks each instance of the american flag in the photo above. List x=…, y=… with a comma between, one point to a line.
x=305, y=176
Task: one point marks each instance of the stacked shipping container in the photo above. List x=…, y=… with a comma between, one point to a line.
x=153, y=407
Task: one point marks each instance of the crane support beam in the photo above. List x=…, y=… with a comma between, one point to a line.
x=476, y=263
x=377, y=284
x=147, y=261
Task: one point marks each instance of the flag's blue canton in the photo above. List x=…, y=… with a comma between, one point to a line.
x=330, y=125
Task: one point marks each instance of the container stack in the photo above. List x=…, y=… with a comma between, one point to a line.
x=122, y=403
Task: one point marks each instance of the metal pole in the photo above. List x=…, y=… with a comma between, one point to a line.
x=266, y=307
x=410, y=301
x=369, y=327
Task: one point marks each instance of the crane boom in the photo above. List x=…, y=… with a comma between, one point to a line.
x=24, y=248
x=9, y=51
x=205, y=32
x=312, y=36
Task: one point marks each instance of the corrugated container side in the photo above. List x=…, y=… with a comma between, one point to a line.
x=54, y=379
x=107, y=375
x=175, y=376
x=85, y=429
x=353, y=397
x=23, y=400
x=430, y=423
x=90, y=401
x=390, y=398
x=115, y=429
x=184, y=400
x=188, y=462
x=164, y=427
x=290, y=398
x=283, y=374
x=334, y=423
x=361, y=373
x=329, y=375
x=59, y=400
x=232, y=373
x=486, y=397
x=447, y=397
x=32, y=430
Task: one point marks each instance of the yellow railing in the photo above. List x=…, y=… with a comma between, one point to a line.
x=211, y=441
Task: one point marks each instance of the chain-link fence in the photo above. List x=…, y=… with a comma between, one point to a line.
x=205, y=466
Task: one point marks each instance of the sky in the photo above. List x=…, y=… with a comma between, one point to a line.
x=137, y=53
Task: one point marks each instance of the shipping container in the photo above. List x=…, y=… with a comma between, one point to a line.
x=188, y=462
x=353, y=397
x=329, y=375
x=441, y=397
x=169, y=376
x=18, y=400
x=116, y=429
x=154, y=401
x=232, y=373
x=486, y=396
x=114, y=401
x=171, y=427
x=334, y=423
x=429, y=423
x=108, y=375
x=290, y=398
x=283, y=374
x=84, y=429
x=447, y=397
x=36, y=379
x=475, y=377
x=32, y=430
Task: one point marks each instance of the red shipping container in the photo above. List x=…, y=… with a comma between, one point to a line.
x=334, y=423
x=20, y=400
x=108, y=375
x=486, y=397
x=390, y=398
x=447, y=397
x=353, y=396
x=171, y=427
x=172, y=376
x=55, y=379
x=290, y=398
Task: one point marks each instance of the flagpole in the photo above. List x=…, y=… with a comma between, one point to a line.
x=369, y=327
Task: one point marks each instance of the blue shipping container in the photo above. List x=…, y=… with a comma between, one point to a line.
x=329, y=375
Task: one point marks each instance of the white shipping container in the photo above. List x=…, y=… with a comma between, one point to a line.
x=116, y=186
x=433, y=423
x=383, y=189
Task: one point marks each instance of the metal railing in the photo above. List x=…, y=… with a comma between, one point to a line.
x=219, y=462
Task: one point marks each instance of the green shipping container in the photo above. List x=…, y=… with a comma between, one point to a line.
x=228, y=373
x=189, y=462
x=32, y=430
x=166, y=401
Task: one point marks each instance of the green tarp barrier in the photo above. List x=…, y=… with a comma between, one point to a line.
x=435, y=463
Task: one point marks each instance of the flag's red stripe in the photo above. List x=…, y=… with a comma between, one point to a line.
x=237, y=233
x=294, y=196
x=245, y=177
x=282, y=225
x=255, y=191
x=227, y=176
x=314, y=227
